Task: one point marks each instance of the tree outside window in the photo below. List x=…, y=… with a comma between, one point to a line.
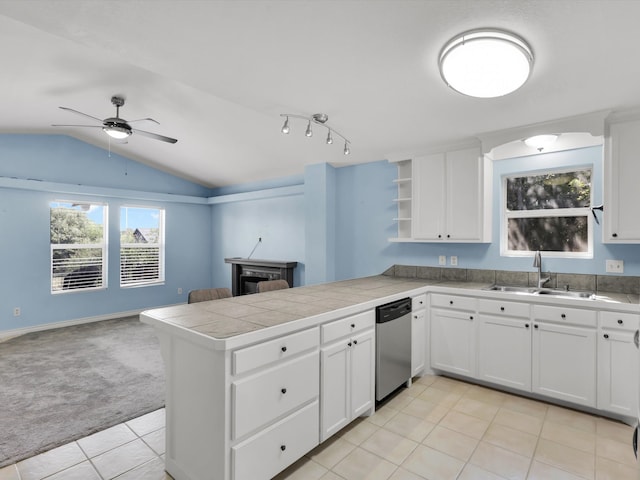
x=141, y=246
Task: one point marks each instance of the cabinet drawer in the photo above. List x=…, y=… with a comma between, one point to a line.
x=281, y=348
x=623, y=321
x=277, y=447
x=498, y=307
x=575, y=316
x=260, y=399
x=419, y=302
x=347, y=326
x=453, y=301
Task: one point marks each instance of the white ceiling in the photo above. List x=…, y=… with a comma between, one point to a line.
x=217, y=74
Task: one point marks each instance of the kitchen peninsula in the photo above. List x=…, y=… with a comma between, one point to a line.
x=251, y=380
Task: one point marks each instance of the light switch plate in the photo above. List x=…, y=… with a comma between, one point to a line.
x=615, y=266
x=454, y=260
x=442, y=260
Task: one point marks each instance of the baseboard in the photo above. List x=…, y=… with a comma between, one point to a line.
x=6, y=334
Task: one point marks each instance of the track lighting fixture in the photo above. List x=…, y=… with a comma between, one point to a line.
x=318, y=119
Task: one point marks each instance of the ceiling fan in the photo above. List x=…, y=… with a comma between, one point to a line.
x=117, y=127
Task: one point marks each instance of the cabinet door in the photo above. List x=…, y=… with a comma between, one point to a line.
x=618, y=372
x=463, y=195
x=334, y=388
x=564, y=363
x=622, y=170
x=429, y=197
x=453, y=341
x=418, y=340
x=362, y=373
x=504, y=351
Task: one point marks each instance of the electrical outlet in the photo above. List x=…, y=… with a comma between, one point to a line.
x=179, y=290
x=442, y=260
x=454, y=260
x=614, y=266
x=16, y=312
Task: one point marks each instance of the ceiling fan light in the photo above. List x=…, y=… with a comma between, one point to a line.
x=309, y=132
x=485, y=63
x=117, y=132
x=540, y=142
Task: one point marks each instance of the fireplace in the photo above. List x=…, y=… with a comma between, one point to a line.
x=246, y=273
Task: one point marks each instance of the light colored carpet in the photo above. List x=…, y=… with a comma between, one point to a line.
x=57, y=386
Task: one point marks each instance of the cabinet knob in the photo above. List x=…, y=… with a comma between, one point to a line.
x=563, y=315
x=284, y=349
x=283, y=447
x=353, y=325
x=439, y=236
x=535, y=326
x=614, y=235
x=502, y=309
x=620, y=322
x=420, y=302
x=284, y=390
x=471, y=317
x=450, y=302
x=349, y=344
x=355, y=342
x=526, y=325
x=606, y=335
x=448, y=236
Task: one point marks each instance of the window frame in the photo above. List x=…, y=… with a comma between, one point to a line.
x=506, y=214
x=160, y=245
x=103, y=246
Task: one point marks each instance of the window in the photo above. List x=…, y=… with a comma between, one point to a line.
x=78, y=246
x=141, y=246
x=548, y=211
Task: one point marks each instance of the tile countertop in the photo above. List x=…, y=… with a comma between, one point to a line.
x=231, y=317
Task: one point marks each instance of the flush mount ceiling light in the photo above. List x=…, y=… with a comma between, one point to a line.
x=318, y=119
x=485, y=63
x=540, y=142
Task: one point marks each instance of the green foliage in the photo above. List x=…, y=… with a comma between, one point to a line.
x=73, y=226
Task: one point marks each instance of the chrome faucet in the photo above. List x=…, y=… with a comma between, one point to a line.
x=537, y=262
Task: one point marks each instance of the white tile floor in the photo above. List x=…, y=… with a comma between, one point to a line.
x=439, y=429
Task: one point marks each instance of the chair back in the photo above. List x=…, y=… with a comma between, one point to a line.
x=270, y=285
x=207, y=294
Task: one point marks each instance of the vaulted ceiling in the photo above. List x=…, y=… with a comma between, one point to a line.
x=218, y=74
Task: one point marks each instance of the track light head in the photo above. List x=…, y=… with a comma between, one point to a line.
x=285, y=127
x=346, y=148
x=319, y=119
x=329, y=138
x=309, y=132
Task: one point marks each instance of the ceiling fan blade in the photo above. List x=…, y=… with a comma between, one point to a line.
x=154, y=135
x=80, y=113
x=90, y=126
x=143, y=119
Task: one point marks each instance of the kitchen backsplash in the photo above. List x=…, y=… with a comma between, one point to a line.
x=581, y=282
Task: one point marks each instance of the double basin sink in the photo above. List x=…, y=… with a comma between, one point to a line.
x=551, y=292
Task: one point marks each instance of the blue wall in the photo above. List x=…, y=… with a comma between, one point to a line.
x=62, y=164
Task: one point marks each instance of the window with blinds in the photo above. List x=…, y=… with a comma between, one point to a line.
x=78, y=236
x=141, y=246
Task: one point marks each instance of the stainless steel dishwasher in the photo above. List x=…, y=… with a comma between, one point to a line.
x=393, y=346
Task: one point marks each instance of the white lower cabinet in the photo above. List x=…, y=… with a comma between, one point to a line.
x=618, y=369
x=347, y=372
x=276, y=447
x=417, y=342
x=504, y=351
x=452, y=342
x=564, y=354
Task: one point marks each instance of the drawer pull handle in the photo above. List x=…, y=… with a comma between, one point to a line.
x=620, y=322
x=636, y=339
x=471, y=317
x=284, y=349
x=284, y=390
x=526, y=325
x=606, y=335
x=502, y=309
x=283, y=447
x=563, y=315
x=535, y=326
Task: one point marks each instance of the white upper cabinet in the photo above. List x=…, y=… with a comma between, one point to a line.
x=450, y=199
x=621, y=174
